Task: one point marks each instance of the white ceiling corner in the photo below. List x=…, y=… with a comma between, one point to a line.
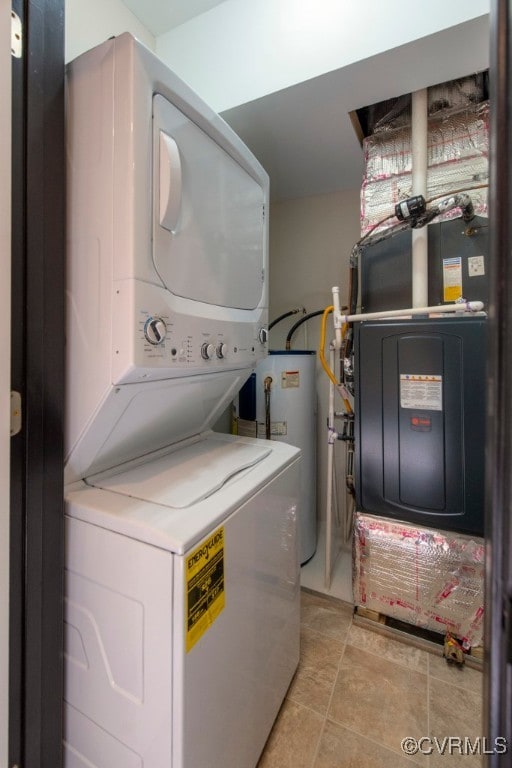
x=161, y=15
x=303, y=135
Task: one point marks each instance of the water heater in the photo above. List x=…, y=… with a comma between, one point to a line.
x=290, y=411
x=420, y=420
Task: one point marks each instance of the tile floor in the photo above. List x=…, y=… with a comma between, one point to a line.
x=357, y=694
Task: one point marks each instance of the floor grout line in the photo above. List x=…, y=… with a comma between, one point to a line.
x=322, y=719
x=326, y=717
x=353, y=730
x=366, y=737
x=319, y=741
x=401, y=664
x=349, y=728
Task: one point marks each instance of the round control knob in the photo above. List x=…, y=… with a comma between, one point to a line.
x=263, y=335
x=207, y=351
x=155, y=330
x=222, y=350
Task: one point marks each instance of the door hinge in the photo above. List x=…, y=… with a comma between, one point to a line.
x=15, y=413
x=16, y=35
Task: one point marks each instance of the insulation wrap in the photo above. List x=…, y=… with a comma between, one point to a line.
x=425, y=577
x=458, y=149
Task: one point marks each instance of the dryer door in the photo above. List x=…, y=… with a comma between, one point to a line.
x=208, y=215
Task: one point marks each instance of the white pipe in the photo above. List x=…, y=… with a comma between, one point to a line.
x=463, y=308
x=330, y=464
x=336, y=314
x=419, y=140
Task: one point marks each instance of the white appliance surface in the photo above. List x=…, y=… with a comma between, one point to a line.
x=182, y=572
x=167, y=257
x=186, y=476
x=209, y=220
x=137, y=501
x=144, y=686
x=293, y=409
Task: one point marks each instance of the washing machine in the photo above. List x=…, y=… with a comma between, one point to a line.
x=182, y=565
x=181, y=607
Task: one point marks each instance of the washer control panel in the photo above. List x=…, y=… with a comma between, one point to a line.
x=207, y=350
x=155, y=330
x=165, y=342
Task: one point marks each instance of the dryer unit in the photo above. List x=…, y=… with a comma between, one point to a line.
x=182, y=572
x=167, y=259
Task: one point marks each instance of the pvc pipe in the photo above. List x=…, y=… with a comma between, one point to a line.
x=336, y=314
x=419, y=140
x=329, y=491
x=462, y=307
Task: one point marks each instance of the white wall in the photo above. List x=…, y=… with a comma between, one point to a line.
x=242, y=50
x=90, y=22
x=310, y=243
x=5, y=355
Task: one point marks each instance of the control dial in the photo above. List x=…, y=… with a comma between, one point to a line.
x=155, y=330
x=207, y=351
x=222, y=350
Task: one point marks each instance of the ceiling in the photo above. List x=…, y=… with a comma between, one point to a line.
x=303, y=135
x=161, y=15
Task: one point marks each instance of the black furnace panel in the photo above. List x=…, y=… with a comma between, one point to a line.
x=455, y=250
x=420, y=420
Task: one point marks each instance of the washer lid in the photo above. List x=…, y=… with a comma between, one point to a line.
x=186, y=476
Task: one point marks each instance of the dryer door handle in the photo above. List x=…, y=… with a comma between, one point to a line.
x=170, y=182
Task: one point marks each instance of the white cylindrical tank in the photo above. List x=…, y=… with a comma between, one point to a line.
x=293, y=420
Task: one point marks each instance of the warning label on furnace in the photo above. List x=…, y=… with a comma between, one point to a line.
x=204, y=583
x=452, y=278
x=421, y=391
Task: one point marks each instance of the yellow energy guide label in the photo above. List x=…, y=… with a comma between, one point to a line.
x=204, y=581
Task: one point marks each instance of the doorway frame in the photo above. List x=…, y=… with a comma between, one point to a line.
x=37, y=372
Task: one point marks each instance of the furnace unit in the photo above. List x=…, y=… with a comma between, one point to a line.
x=420, y=420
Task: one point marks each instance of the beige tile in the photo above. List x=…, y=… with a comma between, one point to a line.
x=316, y=674
x=379, y=698
x=463, y=677
x=388, y=648
x=315, y=647
x=341, y=748
x=294, y=738
x=315, y=598
x=455, y=712
x=329, y=617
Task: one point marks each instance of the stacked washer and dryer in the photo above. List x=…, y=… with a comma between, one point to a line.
x=182, y=565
